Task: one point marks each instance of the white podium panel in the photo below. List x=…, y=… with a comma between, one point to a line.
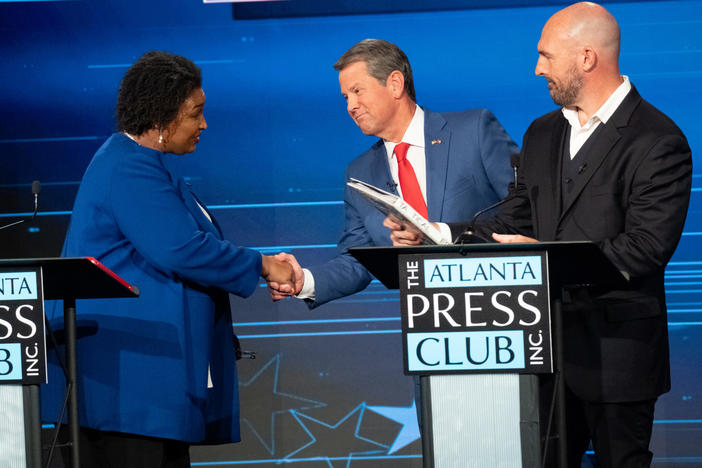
x=12, y=448
x=475, y=421
x=480, y=420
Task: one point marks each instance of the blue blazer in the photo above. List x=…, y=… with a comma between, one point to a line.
x=143, y=363
x=468, y=169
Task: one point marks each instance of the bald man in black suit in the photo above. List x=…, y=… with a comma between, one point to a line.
x=610, y=168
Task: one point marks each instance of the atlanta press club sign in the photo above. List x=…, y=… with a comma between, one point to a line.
x=22, y=336
x=483, y=313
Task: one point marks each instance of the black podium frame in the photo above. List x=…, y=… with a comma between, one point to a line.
x=570, y=264
x=67, y=279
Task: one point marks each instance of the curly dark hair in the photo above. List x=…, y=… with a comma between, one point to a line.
x=153, y=89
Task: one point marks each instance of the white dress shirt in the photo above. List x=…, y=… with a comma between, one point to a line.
x=414, y=135
x=580, y=133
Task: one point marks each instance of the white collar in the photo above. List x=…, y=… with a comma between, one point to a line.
x=130, y=137
x=414, y=135
x=605, y=111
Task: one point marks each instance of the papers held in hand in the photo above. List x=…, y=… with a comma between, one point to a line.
x=391, y=204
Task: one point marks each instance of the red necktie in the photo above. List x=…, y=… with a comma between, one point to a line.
x=411, y=192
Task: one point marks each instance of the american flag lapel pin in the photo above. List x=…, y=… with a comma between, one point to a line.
x=435, y=142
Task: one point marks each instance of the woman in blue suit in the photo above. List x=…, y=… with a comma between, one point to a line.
x=156, y=373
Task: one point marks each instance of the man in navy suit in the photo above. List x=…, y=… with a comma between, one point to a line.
x=460, y=159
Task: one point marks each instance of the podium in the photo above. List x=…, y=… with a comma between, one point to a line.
x=67, y=279
x=479, y=322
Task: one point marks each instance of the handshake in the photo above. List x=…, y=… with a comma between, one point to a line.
x=283, y=275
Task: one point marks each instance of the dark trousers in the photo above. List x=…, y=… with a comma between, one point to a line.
x=620, y=432
x=102, y=449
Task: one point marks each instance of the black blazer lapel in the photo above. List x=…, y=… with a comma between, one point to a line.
x=606, y=139
x=545, y=193
x=602, y=146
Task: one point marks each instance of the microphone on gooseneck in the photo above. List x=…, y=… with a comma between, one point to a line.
x=469, y=236
x=36, y=188
x=514, y=162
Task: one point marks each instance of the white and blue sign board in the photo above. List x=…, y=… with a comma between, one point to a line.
x=483, y=313
x=22, y=334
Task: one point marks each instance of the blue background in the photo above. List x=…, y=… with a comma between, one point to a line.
x=327, y=388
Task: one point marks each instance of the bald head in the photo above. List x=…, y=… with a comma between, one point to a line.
x=587, y=24
x=579, y=56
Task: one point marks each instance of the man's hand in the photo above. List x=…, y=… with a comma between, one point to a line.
x=274, y=289
x=279, y=275
x=403, y=234
x=512, y=238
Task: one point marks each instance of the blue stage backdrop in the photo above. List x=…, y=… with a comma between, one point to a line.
x=327, y=388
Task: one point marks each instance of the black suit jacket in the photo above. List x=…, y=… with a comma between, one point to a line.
x=631, y=199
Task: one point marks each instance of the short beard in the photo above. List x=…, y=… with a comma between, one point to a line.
x=567, y=95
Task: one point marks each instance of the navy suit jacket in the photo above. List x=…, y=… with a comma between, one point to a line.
x=467, y=163
x=143, y=363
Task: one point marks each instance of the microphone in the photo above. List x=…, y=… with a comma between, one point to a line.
x=391, y=185
x=469, y=236
x=514, y=162
x=36, y=188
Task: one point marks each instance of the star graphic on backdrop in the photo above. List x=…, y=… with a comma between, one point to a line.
x=336, y=444
x=265, y=382
x=405, y=416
